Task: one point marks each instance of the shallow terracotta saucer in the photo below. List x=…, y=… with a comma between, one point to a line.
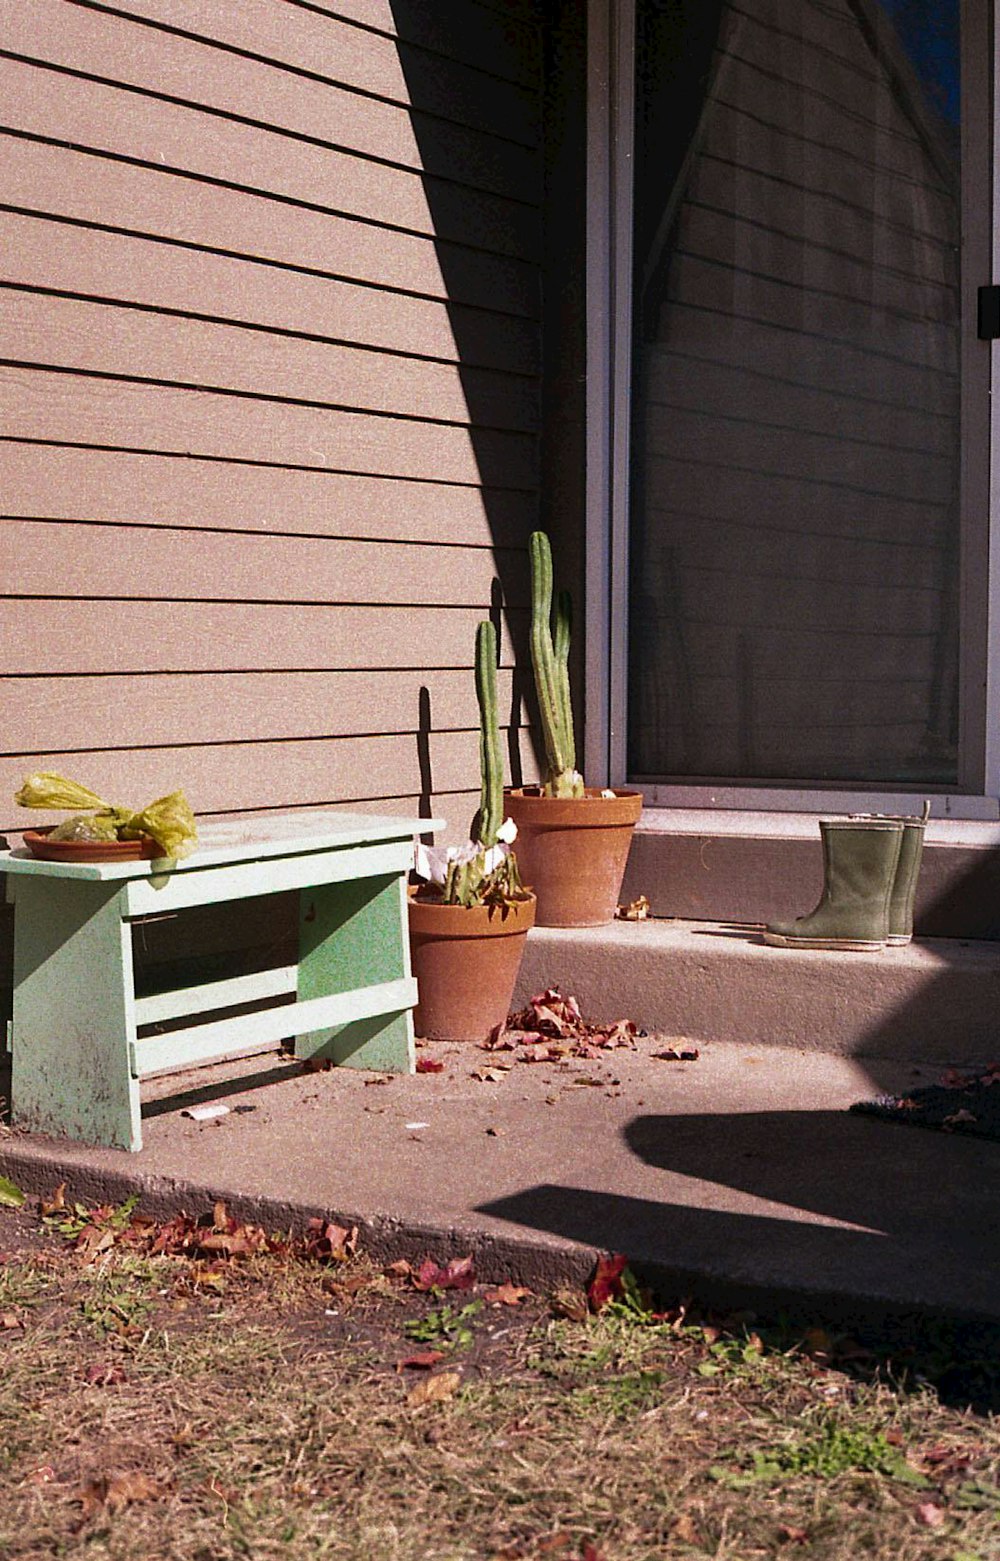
x=39, y=844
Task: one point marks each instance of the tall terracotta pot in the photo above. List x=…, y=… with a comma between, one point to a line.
x=465, y=959
x=572, y=851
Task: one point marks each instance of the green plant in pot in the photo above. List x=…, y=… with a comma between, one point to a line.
x=573, y=841
x=470, y=915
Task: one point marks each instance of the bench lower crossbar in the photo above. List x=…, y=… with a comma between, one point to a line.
x=202, y=1043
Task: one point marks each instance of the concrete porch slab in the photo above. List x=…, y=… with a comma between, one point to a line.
x=936, y=1000
x=739, y=1179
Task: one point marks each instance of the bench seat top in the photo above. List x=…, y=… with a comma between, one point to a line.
x=242, y=840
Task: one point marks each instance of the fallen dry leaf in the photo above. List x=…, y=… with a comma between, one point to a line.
x=606, y=1284
x=43, y=1475
x=677, y=1054
x=423, y=1361
x=104, y=1374
x=330, y=1242
x=789, y=1534
x=490, y=1075
x=635, y=910
x=14, y=1319
x=930, y=1514
x=958, y=1117
x=944, y=1459
x=686, y=1530
x=459, y=1273
x=429, y=1065
x=92, y=1241
x=569, y=1303
x=55, y=1204
x=434, y=1390
x=507, y=1294
x=114, y=1491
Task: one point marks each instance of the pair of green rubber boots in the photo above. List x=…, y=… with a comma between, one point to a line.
x=870, y=870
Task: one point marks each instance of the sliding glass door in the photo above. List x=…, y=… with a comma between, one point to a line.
x=796, y=531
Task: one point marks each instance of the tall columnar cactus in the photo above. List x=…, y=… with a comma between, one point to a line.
x=485, y=872
x=490, y=754
x=550, y=637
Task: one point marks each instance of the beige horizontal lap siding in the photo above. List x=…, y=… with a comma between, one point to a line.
x=235, y=777
x=269, y=315
x=88, y=186
x=52, y=482
x=63, y=636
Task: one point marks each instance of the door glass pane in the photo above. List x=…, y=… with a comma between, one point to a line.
x=794, y=546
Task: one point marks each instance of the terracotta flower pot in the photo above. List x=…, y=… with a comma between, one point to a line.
x=572, y=851
x=465, y=959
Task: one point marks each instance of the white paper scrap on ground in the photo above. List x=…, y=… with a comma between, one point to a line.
x=411, y=1127
x=205, y=1113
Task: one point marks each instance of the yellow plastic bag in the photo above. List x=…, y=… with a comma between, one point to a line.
x=169, y=820
x=47, y=790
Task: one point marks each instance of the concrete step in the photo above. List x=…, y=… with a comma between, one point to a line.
x=719, y=865
x=935, y=1001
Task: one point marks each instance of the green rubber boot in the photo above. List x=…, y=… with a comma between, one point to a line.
x=860, y=858
x=904, y=890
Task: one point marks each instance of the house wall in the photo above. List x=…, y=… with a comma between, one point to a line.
x=271, y=325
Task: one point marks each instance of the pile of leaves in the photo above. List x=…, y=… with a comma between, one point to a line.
x=552, y=1027
x=214, y=1238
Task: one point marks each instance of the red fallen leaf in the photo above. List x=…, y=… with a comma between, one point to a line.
x=606, y=1284
x=950, y=1460
x=326, y=1241
x=458, y=1274
x=424, y=1360
x=105, y=1375
x=507, y=1294
x=930, y=1514
x=401, y=1269
x=429, y=1065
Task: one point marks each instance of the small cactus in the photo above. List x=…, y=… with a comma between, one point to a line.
x=490, y=755
x=550, y=638
x=485, y=871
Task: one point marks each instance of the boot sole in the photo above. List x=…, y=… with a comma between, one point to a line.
x=779, y=940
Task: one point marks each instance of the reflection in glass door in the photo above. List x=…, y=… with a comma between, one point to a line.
x=795, y=482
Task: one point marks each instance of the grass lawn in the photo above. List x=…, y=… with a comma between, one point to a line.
x=199, y=1392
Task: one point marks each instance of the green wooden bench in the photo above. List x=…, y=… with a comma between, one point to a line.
x=77, y=1054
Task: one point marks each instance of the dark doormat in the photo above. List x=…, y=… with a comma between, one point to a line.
x=961, y=1103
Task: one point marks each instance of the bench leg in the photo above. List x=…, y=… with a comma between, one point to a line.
x=351, y=936
x=74, y=1013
